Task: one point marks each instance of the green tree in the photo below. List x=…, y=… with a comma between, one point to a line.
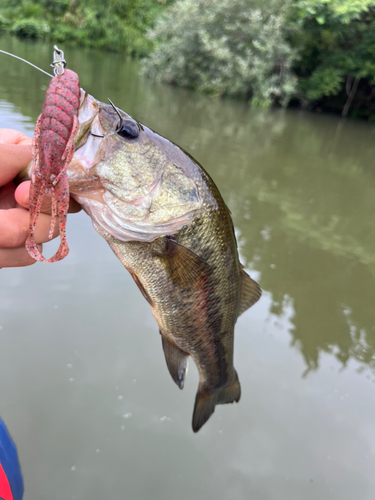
x=117, y=25
x=231, y=47
x=336, y=65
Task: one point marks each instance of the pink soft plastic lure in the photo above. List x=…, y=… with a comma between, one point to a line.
x=52, y=149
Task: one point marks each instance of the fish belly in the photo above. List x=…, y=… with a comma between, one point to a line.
x=196, y=314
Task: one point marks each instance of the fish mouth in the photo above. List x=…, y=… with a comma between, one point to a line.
x=87, y=143
x=88, y=111
x=90, y=152
x=117, y=211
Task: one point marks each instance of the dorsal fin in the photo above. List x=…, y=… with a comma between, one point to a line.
x=250, y=292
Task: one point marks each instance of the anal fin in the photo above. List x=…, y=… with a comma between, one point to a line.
x=177, y=361
x=250, y=292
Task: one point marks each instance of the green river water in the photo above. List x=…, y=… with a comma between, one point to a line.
x=84, y=388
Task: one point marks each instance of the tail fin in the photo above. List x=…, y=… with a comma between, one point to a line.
x=203, y=408
x=205, y=403
x=230, y=393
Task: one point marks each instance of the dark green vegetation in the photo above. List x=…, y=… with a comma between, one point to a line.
x=336, y=64
x=231, y=47
x=316, y=53
x=116, y=25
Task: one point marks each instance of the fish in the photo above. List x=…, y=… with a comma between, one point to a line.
x=166, y=221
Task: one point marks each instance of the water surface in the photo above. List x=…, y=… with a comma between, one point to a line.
x=83, y=384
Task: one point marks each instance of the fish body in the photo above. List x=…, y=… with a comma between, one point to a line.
x=166, y=221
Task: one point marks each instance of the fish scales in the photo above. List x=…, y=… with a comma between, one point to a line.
x=207, y=333
x=166, y=221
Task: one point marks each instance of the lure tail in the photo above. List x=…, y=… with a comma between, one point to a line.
x=60, y=205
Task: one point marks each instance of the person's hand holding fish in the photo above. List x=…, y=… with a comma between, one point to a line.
x=15, y=155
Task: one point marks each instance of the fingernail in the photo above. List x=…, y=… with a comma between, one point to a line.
x=22, y=194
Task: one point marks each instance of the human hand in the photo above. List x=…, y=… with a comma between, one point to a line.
x=15, y=155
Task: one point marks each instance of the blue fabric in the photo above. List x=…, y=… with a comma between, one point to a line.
x=10, y=463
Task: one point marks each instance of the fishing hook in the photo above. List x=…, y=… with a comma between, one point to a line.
x=117, y=111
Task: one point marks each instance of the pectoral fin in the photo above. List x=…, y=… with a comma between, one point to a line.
x=177, y=361
x=183, y=265
x=250, y=292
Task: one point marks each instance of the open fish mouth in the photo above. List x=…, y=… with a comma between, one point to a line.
x=88, y=110
x=130, y=190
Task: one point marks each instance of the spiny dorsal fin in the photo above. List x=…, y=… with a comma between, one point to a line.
x=250, y=292
x=183, y=265
x=177, y=361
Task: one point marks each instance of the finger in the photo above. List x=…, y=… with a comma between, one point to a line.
x=14, y=228
x=16, y=257
x=13, y=159
x=22, y=197
x=10, y=136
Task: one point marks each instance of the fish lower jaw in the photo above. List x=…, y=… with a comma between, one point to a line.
x=114, y=225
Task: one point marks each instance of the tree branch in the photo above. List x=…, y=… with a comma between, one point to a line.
x=351, y=95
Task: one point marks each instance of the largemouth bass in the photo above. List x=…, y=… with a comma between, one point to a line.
x=166, y=221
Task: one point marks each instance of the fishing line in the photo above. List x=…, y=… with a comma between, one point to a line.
x=27, y=62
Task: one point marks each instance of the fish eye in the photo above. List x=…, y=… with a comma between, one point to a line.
x=127, y=129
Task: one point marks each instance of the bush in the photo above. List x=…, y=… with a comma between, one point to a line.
x=336, y=67
x=231, y=47
x=117, y=25
x=30, y=28
x=4, y=23
x=56, y=7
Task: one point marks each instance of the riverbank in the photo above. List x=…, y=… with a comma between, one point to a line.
x=314, y=54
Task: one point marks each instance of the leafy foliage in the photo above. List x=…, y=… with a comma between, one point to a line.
x=30, y=28
x=320, y=53
x=117, y=25
x=231, y=47
x=336, y=65
x=344, y=10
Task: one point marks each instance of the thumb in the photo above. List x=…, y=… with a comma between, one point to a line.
x=22, y=194
x=13, y=159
